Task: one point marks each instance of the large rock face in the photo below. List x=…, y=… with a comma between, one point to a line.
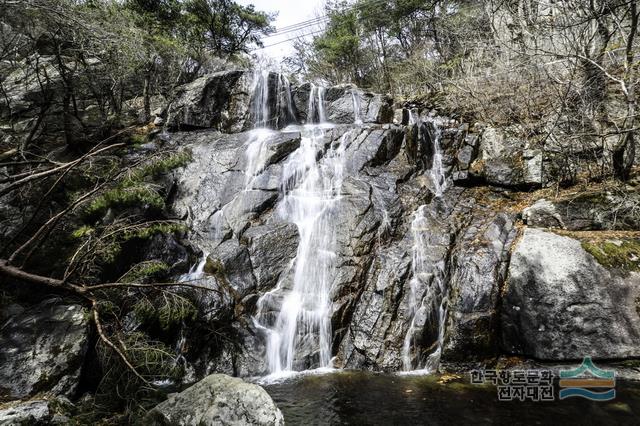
x=217, y=400
x=42, y=349
x=232, y=206
x=561, y=304
x=479, y=270
x=218, y=101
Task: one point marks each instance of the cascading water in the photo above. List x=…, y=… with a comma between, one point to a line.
x=428, y=291
x=316, y=112
x=256, y=154
x=311, y=196
x=436, y=172
x=428, y=295
x=271, y=108
x=355, y=97
x=260, y=101
x=437, y=169
x=295, y=315
x=284, y=105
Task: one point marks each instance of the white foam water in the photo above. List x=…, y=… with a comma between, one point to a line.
x=311, y=197
x=428, y=292
x=260, y=102
x=355, y=97
x=256, y=154
x=437, y=169
x=316, y=107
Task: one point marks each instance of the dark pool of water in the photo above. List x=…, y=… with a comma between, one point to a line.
x=357, y=398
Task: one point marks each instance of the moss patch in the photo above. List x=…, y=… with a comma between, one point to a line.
x=622, y=254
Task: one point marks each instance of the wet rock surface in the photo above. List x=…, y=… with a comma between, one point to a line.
x=379, y=300
x=479, y=268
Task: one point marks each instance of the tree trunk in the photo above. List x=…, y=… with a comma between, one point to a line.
x=146, y=95
x=624, y=152
x=66, y=119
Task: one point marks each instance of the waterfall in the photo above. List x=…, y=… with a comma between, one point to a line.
x=284, y=102
x=316, y=106
x=260, y=102
x=436, y=172
x=414, y=118
x=355, y=97
x=270, y=109
x=428, y=295
x=437, y=169
x=311, y=196
x=256, y=154
x=418, y=268
x=427, y=285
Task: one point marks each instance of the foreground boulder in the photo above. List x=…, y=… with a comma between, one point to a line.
x=42, y=349
x=217, y=400
x=563, y=303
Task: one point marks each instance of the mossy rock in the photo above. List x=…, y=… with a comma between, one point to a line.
x=620, y=253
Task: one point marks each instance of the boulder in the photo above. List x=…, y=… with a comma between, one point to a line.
x=505, y=160
x=217, y=400
x=543, y=214
x=26, y=413
x=42, y=349
x=561, y=303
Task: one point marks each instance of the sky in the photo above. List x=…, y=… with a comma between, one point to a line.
x=290, y=12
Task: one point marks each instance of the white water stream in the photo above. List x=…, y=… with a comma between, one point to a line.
x=311, y=197
x=316, y=108
x=428, y=292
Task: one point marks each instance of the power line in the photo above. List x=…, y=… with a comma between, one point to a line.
x=288, y=40
x=302, y=27
x=307, y=24
x=303, y=23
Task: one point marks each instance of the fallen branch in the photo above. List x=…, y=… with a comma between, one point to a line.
x=13, y=272
x=40, y=175
x=151, y=285
x=8, y=154
x=105, y=339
